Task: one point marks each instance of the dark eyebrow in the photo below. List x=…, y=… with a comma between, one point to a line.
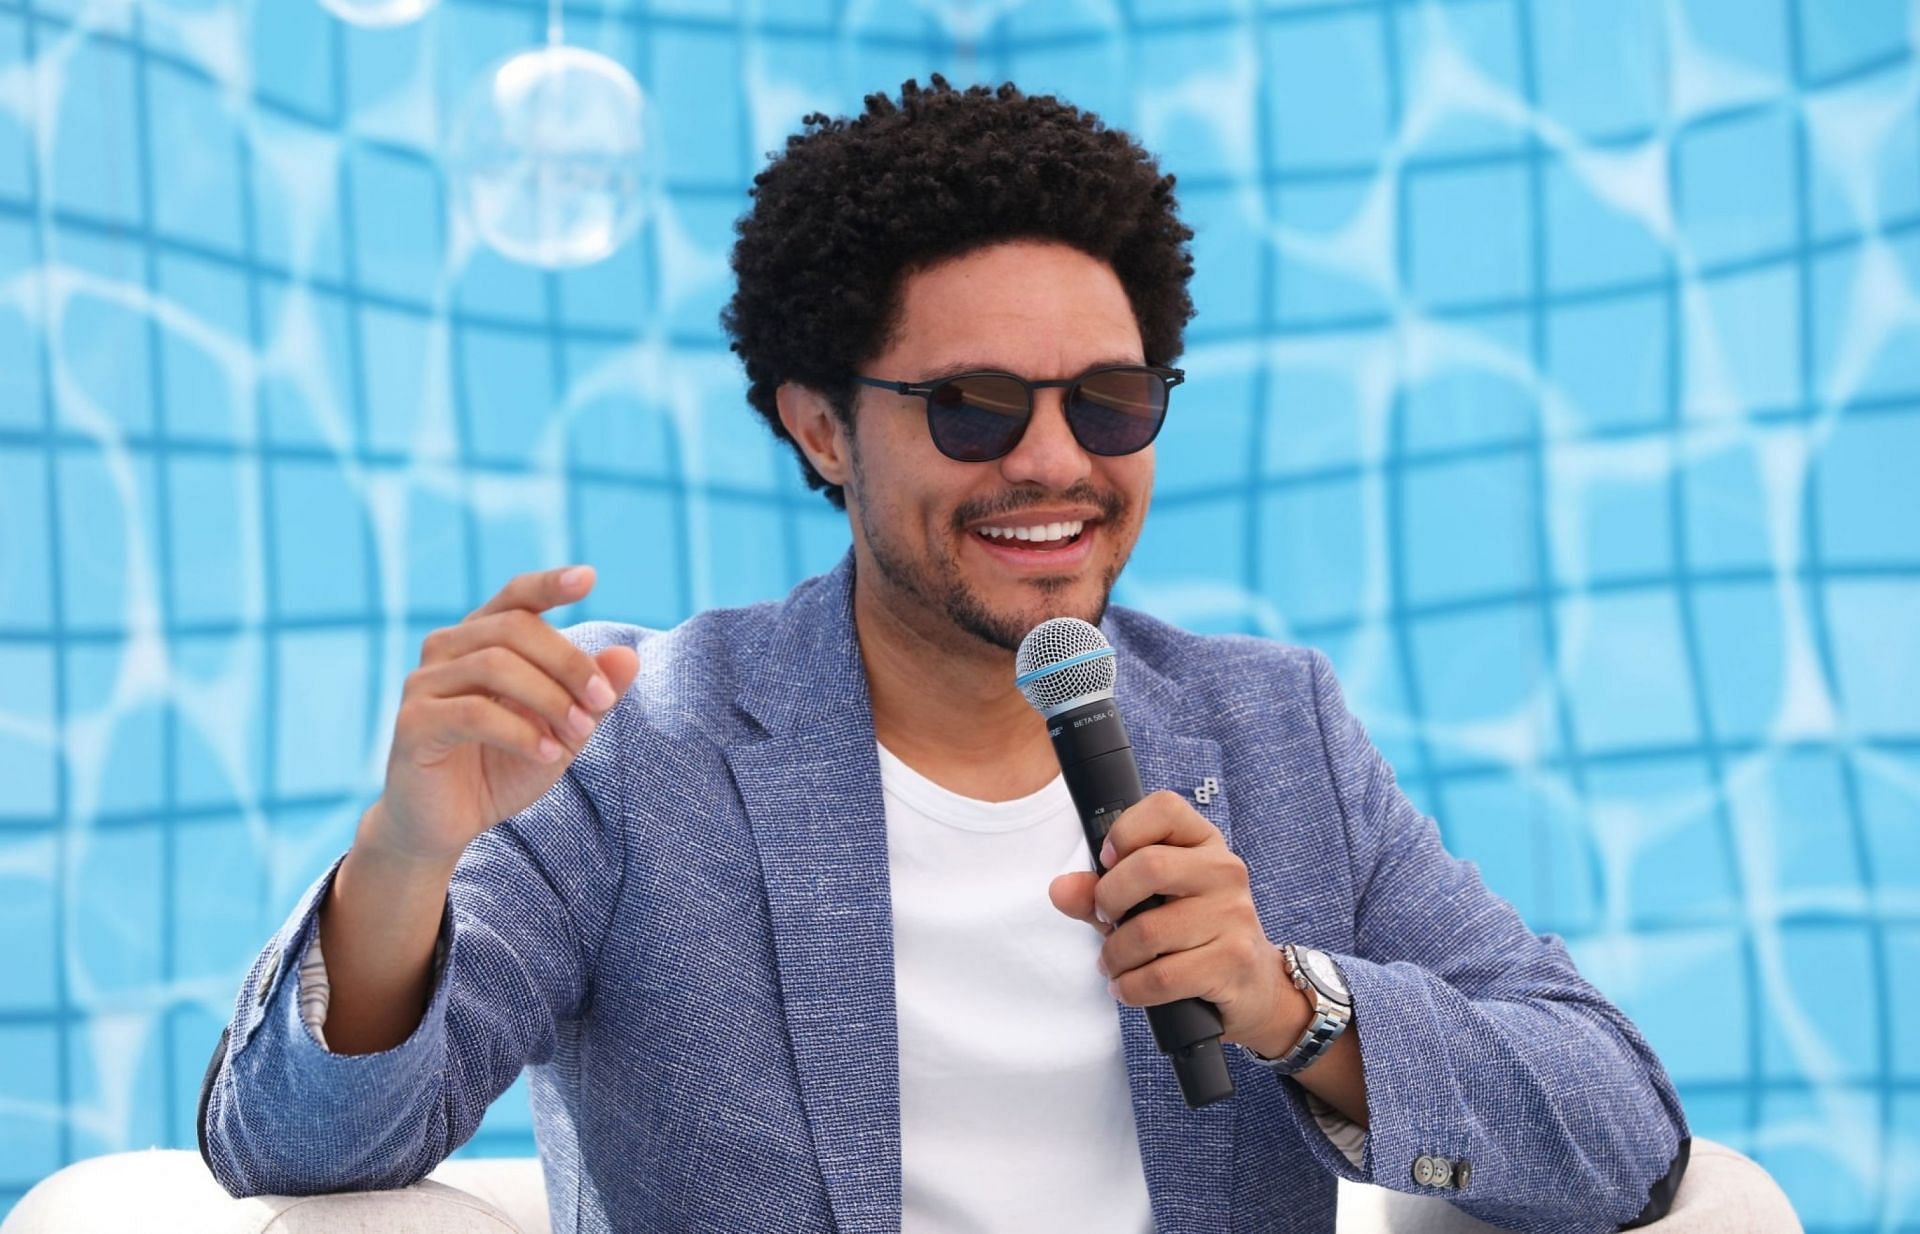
x=988, y=366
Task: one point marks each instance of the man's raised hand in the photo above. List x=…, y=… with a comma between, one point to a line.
x=491, y=719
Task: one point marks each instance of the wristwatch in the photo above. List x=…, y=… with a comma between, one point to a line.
x=1314, y=972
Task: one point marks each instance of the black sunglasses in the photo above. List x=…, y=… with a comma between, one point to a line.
x=974, y=417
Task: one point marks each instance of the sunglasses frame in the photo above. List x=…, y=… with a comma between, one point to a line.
x=924, y=389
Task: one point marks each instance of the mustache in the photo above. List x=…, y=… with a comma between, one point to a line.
x=1111, y=505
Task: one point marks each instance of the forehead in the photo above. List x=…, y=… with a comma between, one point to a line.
x=1032, y=307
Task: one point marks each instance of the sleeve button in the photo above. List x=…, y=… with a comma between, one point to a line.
x=1442, y=1172
x=1462, y=1173
x=1423, y=1170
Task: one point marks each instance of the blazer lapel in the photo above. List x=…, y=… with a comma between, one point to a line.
x=1187, y=1153
x=812, y=795
x=815, y=805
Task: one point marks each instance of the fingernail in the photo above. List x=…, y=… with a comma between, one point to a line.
x=599, y=694
x=574, y=577
x=550, y=750
x=1101, y=913
x=1101, y=963
x=1113, y=988
x=1107, y=854
x=580, y=722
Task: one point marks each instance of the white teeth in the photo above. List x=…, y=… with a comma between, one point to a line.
x=1043, y=532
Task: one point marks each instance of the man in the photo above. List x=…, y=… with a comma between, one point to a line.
x=768, y=929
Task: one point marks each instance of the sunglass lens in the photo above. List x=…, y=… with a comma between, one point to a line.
x=1118, y=411
x=977, y=418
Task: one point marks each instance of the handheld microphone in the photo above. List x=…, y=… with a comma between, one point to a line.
x=1065, y=668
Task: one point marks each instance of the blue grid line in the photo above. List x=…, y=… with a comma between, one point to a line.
x=1413, y=612
x=1393, y=485
x=169, y=734
x=374, y=458
x=1253, y=558
x=1709, y=745
x=358, y=400
x=1201, y=336
x=263, y=434
x=641, y=20
x=62, y=993
x=1822, y=637
x=1543, y=571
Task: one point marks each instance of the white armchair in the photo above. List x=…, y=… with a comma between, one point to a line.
x=169, y=1191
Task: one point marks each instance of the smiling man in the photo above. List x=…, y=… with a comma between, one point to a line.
x=801, y=932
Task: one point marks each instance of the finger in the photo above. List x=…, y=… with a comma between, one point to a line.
x=502, y=672
x=1165, y=869
x=537, y=642
x=1182, y=974
x=1162, y=817
x=537, y=720
x=1072, y=894
x=619, y=665
x=1165, y=929
x=438, y=725
x=539, y=590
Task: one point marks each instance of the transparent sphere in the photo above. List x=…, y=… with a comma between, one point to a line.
x=546, y=156
x=378, y=12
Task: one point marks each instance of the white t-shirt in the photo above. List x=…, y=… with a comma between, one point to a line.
x=1014, y=1105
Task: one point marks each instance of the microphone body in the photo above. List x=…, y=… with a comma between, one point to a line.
x=1096, y=760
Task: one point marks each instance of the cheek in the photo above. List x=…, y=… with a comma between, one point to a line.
x=1141, y=473
x=906, y=498
x=1133, y=480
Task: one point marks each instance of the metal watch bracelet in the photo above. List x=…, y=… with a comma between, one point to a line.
x=1330, y=1019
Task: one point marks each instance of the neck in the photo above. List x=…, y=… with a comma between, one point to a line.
x=945, y=704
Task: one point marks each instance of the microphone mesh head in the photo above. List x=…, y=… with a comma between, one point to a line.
x=1063, y=661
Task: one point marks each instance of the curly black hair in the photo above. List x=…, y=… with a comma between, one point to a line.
x=853, y=206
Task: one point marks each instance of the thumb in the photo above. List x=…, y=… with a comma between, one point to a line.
x=1072, y=894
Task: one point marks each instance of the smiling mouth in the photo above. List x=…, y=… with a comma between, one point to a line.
x=1037, y=539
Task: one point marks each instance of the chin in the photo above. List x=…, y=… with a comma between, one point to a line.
x=1012, y=607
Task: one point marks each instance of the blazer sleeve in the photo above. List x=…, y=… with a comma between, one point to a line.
x=1479, y=1041
x=526, y=910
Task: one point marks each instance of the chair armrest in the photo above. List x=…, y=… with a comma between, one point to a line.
x=170, y=1191
x=1722, y=1192
x=517, y=1186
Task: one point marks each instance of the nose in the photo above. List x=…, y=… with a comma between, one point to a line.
x=1047, y=454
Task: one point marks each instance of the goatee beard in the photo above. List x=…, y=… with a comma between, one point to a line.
x=945, y=593
x=940, y=589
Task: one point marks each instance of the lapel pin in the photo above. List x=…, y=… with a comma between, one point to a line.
x=1208, y=790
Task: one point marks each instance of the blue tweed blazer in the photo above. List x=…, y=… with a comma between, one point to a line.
x=688, y=943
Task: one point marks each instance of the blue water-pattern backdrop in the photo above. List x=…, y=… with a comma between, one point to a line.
x=1557, y=370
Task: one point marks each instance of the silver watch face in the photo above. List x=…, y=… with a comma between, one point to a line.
x=1320, y=970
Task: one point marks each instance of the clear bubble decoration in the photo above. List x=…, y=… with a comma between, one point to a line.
x=378, y=13
x=547, y=156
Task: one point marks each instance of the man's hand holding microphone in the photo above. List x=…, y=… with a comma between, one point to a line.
x=488, y=723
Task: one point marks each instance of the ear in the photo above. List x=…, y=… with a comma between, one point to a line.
x=810, y=419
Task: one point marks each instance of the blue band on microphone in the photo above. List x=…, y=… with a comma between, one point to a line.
x=1085, y=656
